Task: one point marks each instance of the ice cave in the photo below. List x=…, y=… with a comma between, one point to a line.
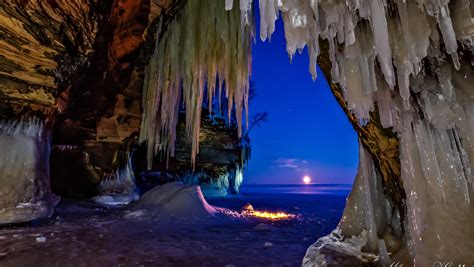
x=121, y=120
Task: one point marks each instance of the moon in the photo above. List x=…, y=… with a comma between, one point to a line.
x=306, y=179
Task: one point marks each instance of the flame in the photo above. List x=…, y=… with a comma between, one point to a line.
x=270, y=215
x=273, y=216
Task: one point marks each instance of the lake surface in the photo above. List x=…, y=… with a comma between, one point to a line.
x=319, y=209
x=307, y=189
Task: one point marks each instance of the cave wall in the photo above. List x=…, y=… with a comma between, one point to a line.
x=103, y=112
x=42, y=45
x=75, y=72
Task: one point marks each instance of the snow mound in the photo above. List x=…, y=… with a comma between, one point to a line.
x=175, y=200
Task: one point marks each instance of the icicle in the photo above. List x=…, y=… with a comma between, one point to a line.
x=229, y=4
x=382, y=42
x=384, y=103
x=449, y=36
x=205, y=43
x=245, y=9
x=384, y=259
x=368, y=175
x=268, y=16
x=307, y=21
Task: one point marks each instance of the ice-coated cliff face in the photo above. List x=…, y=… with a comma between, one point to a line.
x=24, y=171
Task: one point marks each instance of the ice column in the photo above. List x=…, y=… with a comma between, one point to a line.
x=25, y=192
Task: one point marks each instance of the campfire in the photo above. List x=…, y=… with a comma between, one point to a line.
x=248, y=210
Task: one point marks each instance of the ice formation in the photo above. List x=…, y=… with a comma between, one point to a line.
x=370, y=224
x=227, y=183
x=119, y=187
x=203, y=45
x=24, y=171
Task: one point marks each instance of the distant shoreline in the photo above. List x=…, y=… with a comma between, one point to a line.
x=298, y=189
x=312, y=184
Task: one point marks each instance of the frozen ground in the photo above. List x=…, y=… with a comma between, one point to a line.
x=84, y=234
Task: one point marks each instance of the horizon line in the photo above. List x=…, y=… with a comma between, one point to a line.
x=297, y=184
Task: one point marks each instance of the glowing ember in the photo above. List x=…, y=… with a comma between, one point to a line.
x=306, y=179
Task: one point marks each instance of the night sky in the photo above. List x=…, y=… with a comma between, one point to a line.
x=307, y=132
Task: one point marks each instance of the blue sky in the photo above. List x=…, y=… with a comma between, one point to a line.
x=307, y=132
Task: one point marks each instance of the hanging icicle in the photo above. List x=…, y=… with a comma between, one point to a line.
x=203, y=44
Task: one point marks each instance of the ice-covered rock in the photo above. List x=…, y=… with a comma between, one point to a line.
x=119, y=187
x=335, y=250
x=25, y=192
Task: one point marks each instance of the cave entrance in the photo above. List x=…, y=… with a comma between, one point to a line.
x=307, y=133
x=305, y=155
